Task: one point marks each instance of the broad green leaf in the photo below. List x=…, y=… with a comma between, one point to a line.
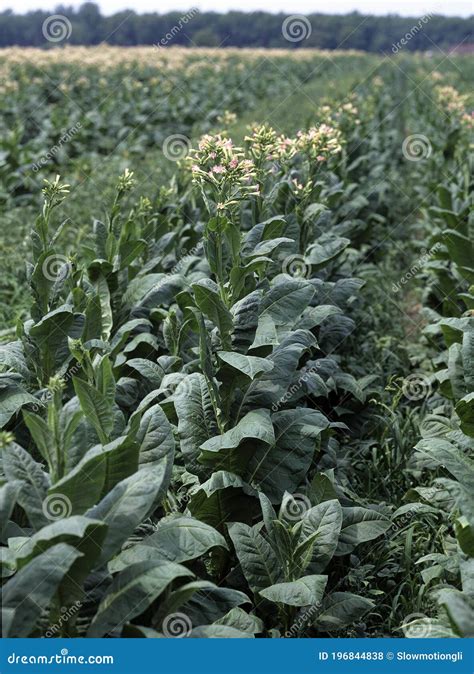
x=82, y=533
x=96, y=407
x=197, y=422
x=31, y=590
x=270, y=390
x=282, y=464
x=250, y=366
x=321, y=489
x=465, y=411
x=20, y=466
x=121, y=461
x=42, y=436
x=444, y=453
x=126, y=506
x=341, y=609
x=218, y=451
x=325, y=520
x=320, y=253
x=155, y=440
x=132, y=591
x=306, y=591
x=209, y=301
x=51, y=333
x=222, y=498
x=12, y=398
x=360, y=525
x=152, y=372
x=175, y=599
x=242, y=621
x=465, y=535
x=286, y=301
x=218, y=632
x=81, y=487
x=258, y=561
x=460, y=609
x=177, y=539
x=8, y=495
x=208, y=605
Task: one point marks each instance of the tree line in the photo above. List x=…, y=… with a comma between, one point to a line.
x=239, y=29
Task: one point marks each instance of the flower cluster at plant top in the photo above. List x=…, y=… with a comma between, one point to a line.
x=263, y=143
x=451, y=99
x=319, y=142
x=223, y=166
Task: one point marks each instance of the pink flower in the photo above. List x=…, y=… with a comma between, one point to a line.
x=320, y=157
x=218, y=169
x=233, y=163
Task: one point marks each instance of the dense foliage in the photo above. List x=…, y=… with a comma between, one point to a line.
x=209, y=430
x=236, y=29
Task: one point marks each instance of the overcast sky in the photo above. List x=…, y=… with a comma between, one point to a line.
x=403, y=7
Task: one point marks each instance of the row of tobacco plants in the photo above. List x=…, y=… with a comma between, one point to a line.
x=177, y=407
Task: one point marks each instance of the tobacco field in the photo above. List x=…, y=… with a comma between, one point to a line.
x=237, y=344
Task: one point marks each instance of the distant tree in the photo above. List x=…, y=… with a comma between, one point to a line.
x=237, y=29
